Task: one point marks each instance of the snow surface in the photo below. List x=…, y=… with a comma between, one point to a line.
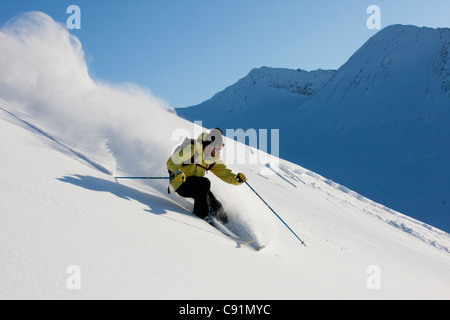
x=61, y=207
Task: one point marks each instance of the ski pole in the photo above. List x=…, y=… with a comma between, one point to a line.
x=145, y=178
x=275, y=213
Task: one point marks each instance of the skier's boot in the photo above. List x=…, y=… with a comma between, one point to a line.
x=217, y=211
x=209, y=220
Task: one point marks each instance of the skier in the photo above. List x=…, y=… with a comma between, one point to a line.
x=188, y=166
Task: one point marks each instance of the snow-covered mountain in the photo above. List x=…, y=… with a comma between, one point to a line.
x=69, y=231
x=380, y=125
x=258, y=100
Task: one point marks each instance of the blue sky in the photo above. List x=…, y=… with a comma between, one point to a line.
x=185, y=51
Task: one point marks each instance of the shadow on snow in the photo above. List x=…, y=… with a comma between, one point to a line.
x=156, y=205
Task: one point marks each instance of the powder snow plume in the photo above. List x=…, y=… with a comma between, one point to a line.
x=44, y=79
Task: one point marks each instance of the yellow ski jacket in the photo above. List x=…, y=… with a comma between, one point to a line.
x=182, y=161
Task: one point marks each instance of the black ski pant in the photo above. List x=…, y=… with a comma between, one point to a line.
x=198, y=188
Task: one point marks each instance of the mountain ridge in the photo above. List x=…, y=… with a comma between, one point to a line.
x=237, y=105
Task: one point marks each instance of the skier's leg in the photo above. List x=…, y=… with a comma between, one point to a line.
x=216, y=209
x=197, y=188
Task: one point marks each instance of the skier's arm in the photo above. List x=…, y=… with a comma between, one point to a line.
x=224, y=173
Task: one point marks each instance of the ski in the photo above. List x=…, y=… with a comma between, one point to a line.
x=246, y=242
x=251, y=243
x=240, y=242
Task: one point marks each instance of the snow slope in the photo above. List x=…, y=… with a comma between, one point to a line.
x=133, y=241
x=60, y=205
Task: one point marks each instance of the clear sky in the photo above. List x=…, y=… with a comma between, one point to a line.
x=185, y=51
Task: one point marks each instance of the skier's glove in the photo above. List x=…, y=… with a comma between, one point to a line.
x=241, y=178
x=180, y=176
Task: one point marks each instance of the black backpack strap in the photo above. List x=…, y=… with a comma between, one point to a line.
x=182, y=146
x=172, y=175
